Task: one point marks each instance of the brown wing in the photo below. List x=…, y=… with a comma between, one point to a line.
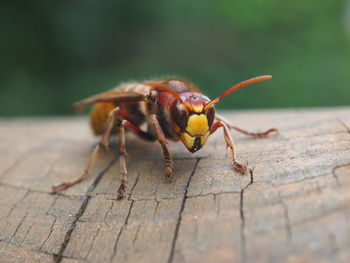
x=123, y=93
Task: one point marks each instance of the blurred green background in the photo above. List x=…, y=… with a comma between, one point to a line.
x=56, y=52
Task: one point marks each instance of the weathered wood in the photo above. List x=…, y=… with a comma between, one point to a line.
x=294, y=208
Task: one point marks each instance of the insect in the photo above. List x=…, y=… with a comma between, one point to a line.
x=172, y=108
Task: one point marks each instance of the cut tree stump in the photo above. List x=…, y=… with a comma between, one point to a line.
x=295, y=207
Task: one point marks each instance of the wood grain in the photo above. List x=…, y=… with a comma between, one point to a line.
x=295, y=207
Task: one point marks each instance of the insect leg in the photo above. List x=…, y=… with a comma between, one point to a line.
x=102, y=143
x=257, y=135
x=122, y=150
x=169, y=165
x=229, y=142
x=122, y=154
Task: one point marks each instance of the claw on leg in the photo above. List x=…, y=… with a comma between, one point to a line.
x=241, y=168
x=84, y=174
x=169, y=169
x=65, y=185
x=121, y=193
x=169, y=165
x=229, y=144
x=60, y=187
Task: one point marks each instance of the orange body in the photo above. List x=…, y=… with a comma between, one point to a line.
x=99, y=117
x=100, y=113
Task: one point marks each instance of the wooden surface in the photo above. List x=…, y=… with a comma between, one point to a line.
x=295, y=207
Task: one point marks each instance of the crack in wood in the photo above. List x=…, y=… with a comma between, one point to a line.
x=310, y=178
x=156, y=209
x=136, y=235
x=344, y=125
x=178, y=224
x=217, y=205
x=26, y=234
x=335, y=174
x=288, y=226
x=15, y=205
x=115, y=247
x=214, y=194
x=39, y=191
x=70, y=230
x=134, y=185
x=108, y=210
x=242, y=215
x=48, y=236
x=81, y=211
x=52, y=205
x=15, y=232
x=26, y=248
x=139, y=199
x=92, y=243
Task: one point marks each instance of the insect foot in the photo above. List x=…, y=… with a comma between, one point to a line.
x=169, y=165
x=121, y=193
x=58, y=188
x=241, y=168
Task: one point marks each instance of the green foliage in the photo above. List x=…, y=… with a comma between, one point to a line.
x=56, y=52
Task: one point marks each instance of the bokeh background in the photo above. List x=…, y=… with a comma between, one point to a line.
x=56, y=52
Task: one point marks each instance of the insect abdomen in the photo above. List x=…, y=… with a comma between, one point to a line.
x=99, y=117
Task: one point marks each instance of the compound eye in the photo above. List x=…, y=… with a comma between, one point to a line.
x=179, y=115
x=210, y=115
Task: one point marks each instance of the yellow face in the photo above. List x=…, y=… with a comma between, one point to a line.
x=196, y=132
x=192, y=121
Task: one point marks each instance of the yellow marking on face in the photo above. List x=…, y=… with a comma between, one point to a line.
x=197, y=124
x=187, y=139
x=197, y=108
x=204, y=138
